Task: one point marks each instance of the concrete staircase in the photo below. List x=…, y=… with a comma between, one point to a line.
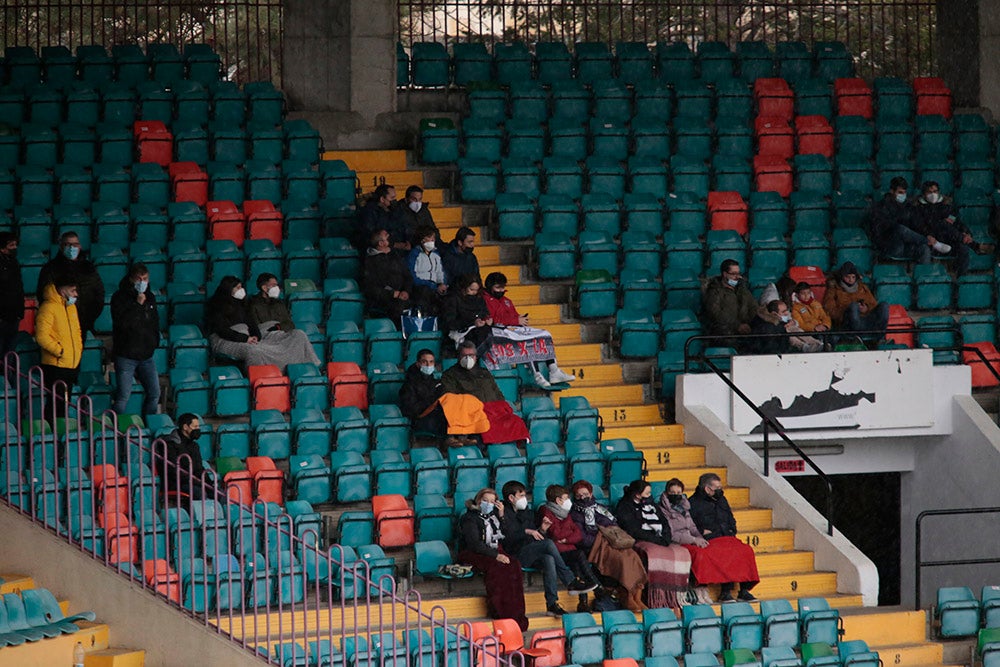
x=95, y=638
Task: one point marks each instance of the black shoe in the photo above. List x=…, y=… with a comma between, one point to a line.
x=583, y=607
x=726, y=596
x=555, y=610
x=579, y=587
x=745, y=595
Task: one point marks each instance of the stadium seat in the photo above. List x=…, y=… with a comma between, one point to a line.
x=702, y=628
x=394, y=521
x=584, y=639
x=820, y=623
x=957, y=610
x=818, y=654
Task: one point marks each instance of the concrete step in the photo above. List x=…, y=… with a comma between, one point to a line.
x=595, y=375
x=662, y=457
x=627, y=395
x=402, y=179
x=369, y=161
x=646, y=435
x=689, y=476
x=629, y=415
x=115, y=657
x=583, y=353
x=57, y=650
x=887, y=628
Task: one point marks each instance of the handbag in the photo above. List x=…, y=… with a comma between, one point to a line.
x=413, y=321
x=616, y=537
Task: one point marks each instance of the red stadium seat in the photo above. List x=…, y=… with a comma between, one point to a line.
x=226, y=222
x=774, y=137
x=727, y=210
x=982, y=376
x=554, y=641
x=30, y=311
x=814, y=135
x=239, y=486
x=112, y=490
x=189, y=182
x=393, y=521
x=121, y=536
x=264, y=221
x=772, y=174
x=271, y=390
x=812, y=275
x=159, y=575
x=348, y=385
x=899, y=319
x=268, y=481
x=155, y=142
x=933, y=96
x=854, y=97
x=774, y=98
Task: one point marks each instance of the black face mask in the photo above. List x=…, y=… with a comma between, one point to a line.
x=498, y=293
x=195, y=434
x=719, y=494
x=675, y=498
x=468, y=251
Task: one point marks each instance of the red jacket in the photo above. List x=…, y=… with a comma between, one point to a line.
x=502, y=310
x=563, y=529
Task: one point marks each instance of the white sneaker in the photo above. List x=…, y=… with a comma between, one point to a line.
x=558, y=375
x=941, y=248
x=541, y=381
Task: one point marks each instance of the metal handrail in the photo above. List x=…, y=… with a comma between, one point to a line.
x=158, y=525
x=920, y=563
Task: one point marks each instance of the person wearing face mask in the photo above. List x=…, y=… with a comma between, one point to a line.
x=183, y=455
x=414, y=212
x=458, y=257
x=418, y=399
x=11, y=292
x=465, y=317
x=468, y=377
x=935, y=216
x=71, y=262
x=807, y=310
x=511, y=325
x=481, y=545
x=427, y=271
x=234, y=332
x=268, y=308
x=775, y=318
x=387, y=281
x=555, y=523
x=893, y=227
x=714, y=519
x=524, y=537
x=58, y=334
x=380, y=213
x=623, y=565
x=667, y=566
x=728, y=307
x=851, y=305
x=136, y=335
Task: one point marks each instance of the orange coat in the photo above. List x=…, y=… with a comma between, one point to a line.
x=837, y=299
x=809, y=315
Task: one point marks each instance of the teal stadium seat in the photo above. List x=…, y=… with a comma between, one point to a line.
x=702, y=628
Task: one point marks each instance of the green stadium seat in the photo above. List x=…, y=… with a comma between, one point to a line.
x=553, y=63
x=525, y=140
x=570, y=99
x=755, y=60
x=934, y=286
x=528, y=99
x=563, y=178
x=634, y=62
x=650, y=136
x=512, y=62
x=430, y=64
x=715, y=61
x=515, y=216
x=471, y=63
x=520, y=176
x=595, y=293
x=479, y=180
x=733, y=99
x=818, y=654
x=487, y=101
x=893, y=99
x=568, y=138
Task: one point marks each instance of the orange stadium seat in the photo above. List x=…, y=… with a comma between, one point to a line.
x=393, y=521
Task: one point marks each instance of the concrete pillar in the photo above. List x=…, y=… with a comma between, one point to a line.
x=340, y=56
x=958, y=26
x=986, y=61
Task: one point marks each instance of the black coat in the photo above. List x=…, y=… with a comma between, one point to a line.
x=630, y=519
x=462, y=310
x=136, y=327
x=515, y=523
x=418, y=392
x=223, y=311
x=89, y=285
x=414, y=222
x=385, y=273
x=458, y=263
x=885, y=215
x=373, y=217
x=712, y=514
x=11, y=289
x=768, y=345
x=472, y=533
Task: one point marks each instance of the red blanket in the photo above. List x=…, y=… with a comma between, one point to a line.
x=505, y=426
x=724, y=560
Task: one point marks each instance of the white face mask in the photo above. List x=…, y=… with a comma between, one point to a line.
x=427, y=370
x=786, y=318
x=901, y=198
x=521, y=503
x=415, y=206
x=468, y=363
x=567, y=504
x=933, y=198
x=240, y=294
x=274, y=292
x=733, y=282
x=428, y=245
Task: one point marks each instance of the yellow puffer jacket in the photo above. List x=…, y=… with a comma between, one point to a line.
x=57, y=330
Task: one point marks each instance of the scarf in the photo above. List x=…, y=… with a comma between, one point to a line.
x=850, y=289
x=559, y=512
x=650, y=519
x=590, y=510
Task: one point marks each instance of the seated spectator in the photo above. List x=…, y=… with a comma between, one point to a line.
x=489, y=414
x=667, y=566
x=414, y=213
x=851, y=305
x=136, y=335
x=387, y=281
x=458, y=257
x=936, y=216
x=774, y=318
x=535, y=550
x=807, y=311
x=418, y=398
x=481, y=536
x=379, y=213
x=711, y=514
x=464, y=315
x=268, y=310
x=234, y=332
x=556, y=524
x=429, y=284
x=183, y=458
x=511, y=326
x=728, y=307
x=623, y=565
x=893, y=229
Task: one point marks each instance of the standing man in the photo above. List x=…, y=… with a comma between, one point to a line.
x=380, y=213
x=11, y=292
x=58, y=333
x=71, y=263
x=136, y=334
x=459, y=257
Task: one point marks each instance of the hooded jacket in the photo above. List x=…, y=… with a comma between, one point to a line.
x=726, y=308
x=385, y=273
x=89, y=286
x=810, y=315
x=418, y=392
x=712, y=514
x=57, y=331
x=136, y=326
x=838, y=298
x=11, y=289
x=630, y=517
x=426, y=268
x=682, y=527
